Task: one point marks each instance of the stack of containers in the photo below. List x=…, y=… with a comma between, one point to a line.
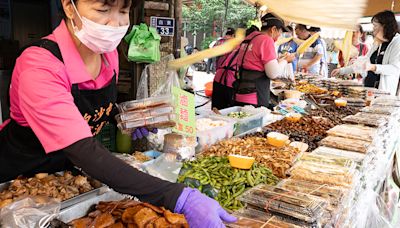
x=155, y=112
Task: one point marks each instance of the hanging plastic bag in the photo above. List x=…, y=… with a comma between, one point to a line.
x=164, y=88
x=144, y=44
x=34, y=211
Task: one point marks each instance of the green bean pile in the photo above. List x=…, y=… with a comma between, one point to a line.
x=215, y=177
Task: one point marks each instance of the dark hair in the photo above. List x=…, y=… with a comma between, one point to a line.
x=105, y=2
x=230, y=32
x=314, y=29
x=360, y=28
x=388, y=20
x=252, y=29
x=301, y=27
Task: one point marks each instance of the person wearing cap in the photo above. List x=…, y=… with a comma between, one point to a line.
x=257, y=64
x=311, y=60
x=290, y=46
x=324, y=59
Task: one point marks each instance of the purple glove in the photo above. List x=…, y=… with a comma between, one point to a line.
x=142, y=132
x=201, y=211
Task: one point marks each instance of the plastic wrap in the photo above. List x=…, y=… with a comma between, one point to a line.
x=161, y=121
x=327, y=159
x=323, y=174
x=323, y=150
x=368, y=119
x=145, y=104
x=34, y=211
x=250, y=217
x=181, y=145
x=384, y=110
x=386, y=101
x=211, y=130
x=294, y=204
x=346, y=144
x=353, y=132
x=141, y=114
x=165, y=167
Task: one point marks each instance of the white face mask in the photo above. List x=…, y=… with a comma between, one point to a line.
x=97, y=37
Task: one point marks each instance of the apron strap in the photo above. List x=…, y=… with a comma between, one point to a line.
x=47, y=44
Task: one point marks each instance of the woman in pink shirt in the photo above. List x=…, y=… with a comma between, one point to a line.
x=63, y=91
x=257, y=63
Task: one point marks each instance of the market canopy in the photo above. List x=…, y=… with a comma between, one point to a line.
x=321, y=13
x=376, y=6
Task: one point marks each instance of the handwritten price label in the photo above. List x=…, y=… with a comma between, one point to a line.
x=185, y=112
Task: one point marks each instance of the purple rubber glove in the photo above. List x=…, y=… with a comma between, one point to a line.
x=201, y=211
x=142, y=132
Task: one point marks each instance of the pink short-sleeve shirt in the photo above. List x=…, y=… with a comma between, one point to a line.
x=40, y=91
x=261, y=50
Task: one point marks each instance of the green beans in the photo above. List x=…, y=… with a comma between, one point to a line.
x=216, y=178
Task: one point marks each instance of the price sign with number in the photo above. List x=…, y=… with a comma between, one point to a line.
x=164, y=25
x=185, y=112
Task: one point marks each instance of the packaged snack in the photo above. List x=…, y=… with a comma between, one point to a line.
x=346, y=144
x=351, y=131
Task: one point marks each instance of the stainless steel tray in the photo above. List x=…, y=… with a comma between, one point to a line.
x=77, y=199
x=81, y=209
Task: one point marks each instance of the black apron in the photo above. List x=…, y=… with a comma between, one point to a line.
x=252, y=81
x=21, y=152
x=223, y=95
x=372, y=79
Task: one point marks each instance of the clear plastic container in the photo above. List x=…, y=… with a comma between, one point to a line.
x=346, y=144
x=255, y=120
x=323, y=150
x=162, y=121
x=385, y=110
x=146, y=103
x=209, y=137
x=140, y=114
x=353, y=132
x=298, y=205
x=327, y=159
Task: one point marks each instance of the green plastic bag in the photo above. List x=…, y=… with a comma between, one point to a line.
x=144, y=44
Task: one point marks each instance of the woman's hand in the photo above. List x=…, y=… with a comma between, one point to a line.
x=290, y=57
x=142, y=132
x=201, y=211
x=335, y=72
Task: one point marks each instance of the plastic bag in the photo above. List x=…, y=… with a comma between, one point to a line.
x=144, y=44
x=33, y=211
x=361, y=64
x=163, y=88
x=166, y=167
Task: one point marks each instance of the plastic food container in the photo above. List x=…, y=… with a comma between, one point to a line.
x=340, y=103
x=146, y=103
x=292, y=94
x=255, y=120
x=140, y=114
x=293, y=117
x=209, y=137
x=302, y=147
x=277, y=139
x=241, y=162
x=162, y=121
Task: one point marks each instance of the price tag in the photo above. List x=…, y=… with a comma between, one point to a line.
x=185, y=112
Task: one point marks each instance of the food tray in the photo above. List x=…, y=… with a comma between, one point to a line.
x=384, y=110
x=251, y=217
x=323, y=150
x=327, y=159
x=209, y=137
x=161, y=121
x=334, y=194
x=141, y=114
x=392, y=101
x=146, y=103
x=294, y=204
x=323, y=174
x=346, y=144
x=353, y=132
x=354, y=119
x=244, y=124
x=81, y=208
x=77, y=199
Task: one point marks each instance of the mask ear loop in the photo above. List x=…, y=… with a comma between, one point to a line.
x=72, y=22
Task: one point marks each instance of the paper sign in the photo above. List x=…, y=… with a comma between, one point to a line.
x=185, y=112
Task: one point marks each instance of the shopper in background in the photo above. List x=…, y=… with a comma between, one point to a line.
x=311, y=60
x=63, y=91
x=230, y=33
x=383, y=71
x=358, y=40
x=324, y=58
x=289, y=47
x=257, y=63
